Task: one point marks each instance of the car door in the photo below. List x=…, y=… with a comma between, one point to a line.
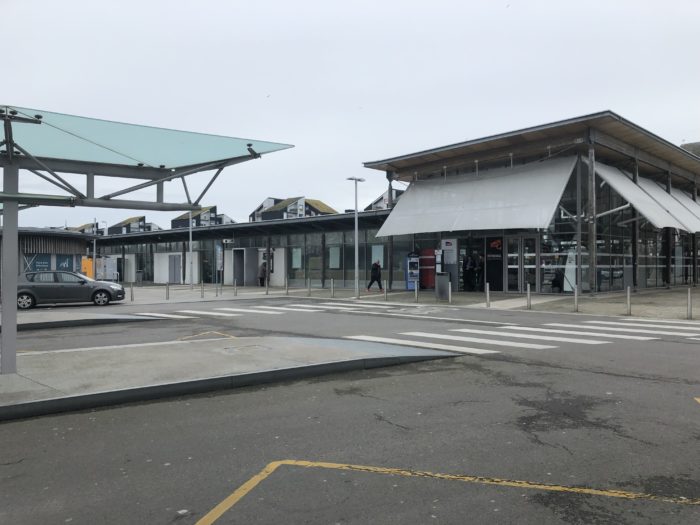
x=73, y=288
x=43, y=286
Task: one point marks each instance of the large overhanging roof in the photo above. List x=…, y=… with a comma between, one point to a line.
x=606, y=128
x=48, y=143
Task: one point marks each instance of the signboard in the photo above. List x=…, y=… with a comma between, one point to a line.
x=64, y=262
x=219, y=256
x=39, y=262
x=449, y=251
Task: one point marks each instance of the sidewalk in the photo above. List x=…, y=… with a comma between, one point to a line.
x=74, y=379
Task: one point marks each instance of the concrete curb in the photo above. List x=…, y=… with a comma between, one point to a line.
x=198, y=386
x=24, y=327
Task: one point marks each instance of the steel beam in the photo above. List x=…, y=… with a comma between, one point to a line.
x=10, y=269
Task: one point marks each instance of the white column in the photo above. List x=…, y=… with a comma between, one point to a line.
x=10, y=269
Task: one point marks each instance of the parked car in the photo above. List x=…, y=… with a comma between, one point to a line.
x=44, y=287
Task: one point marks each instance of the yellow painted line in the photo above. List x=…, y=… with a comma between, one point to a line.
x=215, y=513
x=249, y=485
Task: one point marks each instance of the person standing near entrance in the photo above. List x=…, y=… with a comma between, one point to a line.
x=375, y=275
x=468, y=267
x=262, y=273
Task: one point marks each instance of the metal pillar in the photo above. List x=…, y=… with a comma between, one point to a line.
x=579, y=220
x=669, y=241
x=10, y=269
x=592, y=223
x=94, y=249
x=357, y=246
x=190, y=247
x=695, y=242
x=635, y=235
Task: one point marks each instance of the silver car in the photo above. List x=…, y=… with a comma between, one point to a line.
x=44, y=287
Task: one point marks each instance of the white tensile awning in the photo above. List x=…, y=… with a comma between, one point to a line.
x=523, y=196
x=687, y=202
x=641, y=200
x=689, y=222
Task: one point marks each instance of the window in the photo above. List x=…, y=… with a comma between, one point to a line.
x=68, y=278
x=44, y=277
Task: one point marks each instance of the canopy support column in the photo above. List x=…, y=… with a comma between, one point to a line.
x=10, y=269
x=635, y=234
x=592, y=223
x=669, y=241
x=694, y=245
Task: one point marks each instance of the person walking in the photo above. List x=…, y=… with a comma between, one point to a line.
x=262, y=274
x=375, y=275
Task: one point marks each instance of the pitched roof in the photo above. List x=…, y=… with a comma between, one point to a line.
x=320, y=206
x=129, y=221
x=282, y=205
x=194, y=214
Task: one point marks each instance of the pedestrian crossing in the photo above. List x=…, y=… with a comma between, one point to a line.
x=547, y=336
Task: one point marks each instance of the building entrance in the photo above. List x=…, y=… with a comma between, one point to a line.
x=521, y=263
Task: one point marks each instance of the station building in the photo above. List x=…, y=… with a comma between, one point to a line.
x=594, y=202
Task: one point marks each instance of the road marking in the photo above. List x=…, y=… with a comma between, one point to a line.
x=355, y=305
x=495, y=342
x=639, y=319
x=697, y=399
x=643, y=325
x=248, y=486
x=344, y=308
x=284, y=309
x=574, y=332
x=208, y=312
x=420, y=344
x=635, y=330
x=222, y=334
x=120, y=347
x=166, y=316
x=415, y=316
x=249, y=311
x=530, y=336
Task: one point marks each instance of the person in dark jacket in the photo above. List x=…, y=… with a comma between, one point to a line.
x=376, y=275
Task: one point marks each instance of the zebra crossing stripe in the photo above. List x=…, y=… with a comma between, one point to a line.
x=284, y=309
x=645, y=325
x=364, y=305
x=531, y=336
x=203, y=312
x=432, y=317
x=495, y=342
x=575, y=332
x=165, y=316
x=249, y=311
x=344, y=308
x=635, y=330
x=421, y=344
x=665, y=321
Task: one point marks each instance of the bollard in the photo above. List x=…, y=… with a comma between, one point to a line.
x=216, y=289
x=629, y=301
x=690, y=304
x=529, y=298
x=416, y=290
x=267, y=286
x=332, y=288
x=235, y=287
x=308, y=287
x=488, y=296
x=449, y=293
x=286, y=286
x=202, y=292
x=132, y=291
x=167, y=291
x=576, y=298
x=385, y=296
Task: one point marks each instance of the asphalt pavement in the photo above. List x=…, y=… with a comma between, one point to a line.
x=59, y=379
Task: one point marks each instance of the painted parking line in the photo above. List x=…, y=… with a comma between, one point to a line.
x=213, y=515
x=249, y=311
x=466, y=339
x=165, y=316
x=285, y=309
x=577, y=332
x=644, y=325
x=531, y=336
x=208, y=312
x=420, y=344
x=612, y=329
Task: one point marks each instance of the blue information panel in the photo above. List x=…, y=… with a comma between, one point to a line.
x=64, y=262
x=39, y=262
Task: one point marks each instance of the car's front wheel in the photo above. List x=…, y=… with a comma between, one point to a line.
x=24, y=301
x=101, y=298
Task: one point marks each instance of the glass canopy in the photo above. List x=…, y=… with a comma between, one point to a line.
x=82, y=139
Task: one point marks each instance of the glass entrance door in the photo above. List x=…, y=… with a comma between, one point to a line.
x=521, y=263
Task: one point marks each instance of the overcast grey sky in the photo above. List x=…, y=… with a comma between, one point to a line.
x=345, y=82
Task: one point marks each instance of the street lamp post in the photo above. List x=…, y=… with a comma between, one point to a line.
x=357, y=252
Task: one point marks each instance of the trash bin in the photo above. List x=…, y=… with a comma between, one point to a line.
x=442, y=286
x=139, y=276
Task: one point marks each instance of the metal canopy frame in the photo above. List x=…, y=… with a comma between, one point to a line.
x=86, y=156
